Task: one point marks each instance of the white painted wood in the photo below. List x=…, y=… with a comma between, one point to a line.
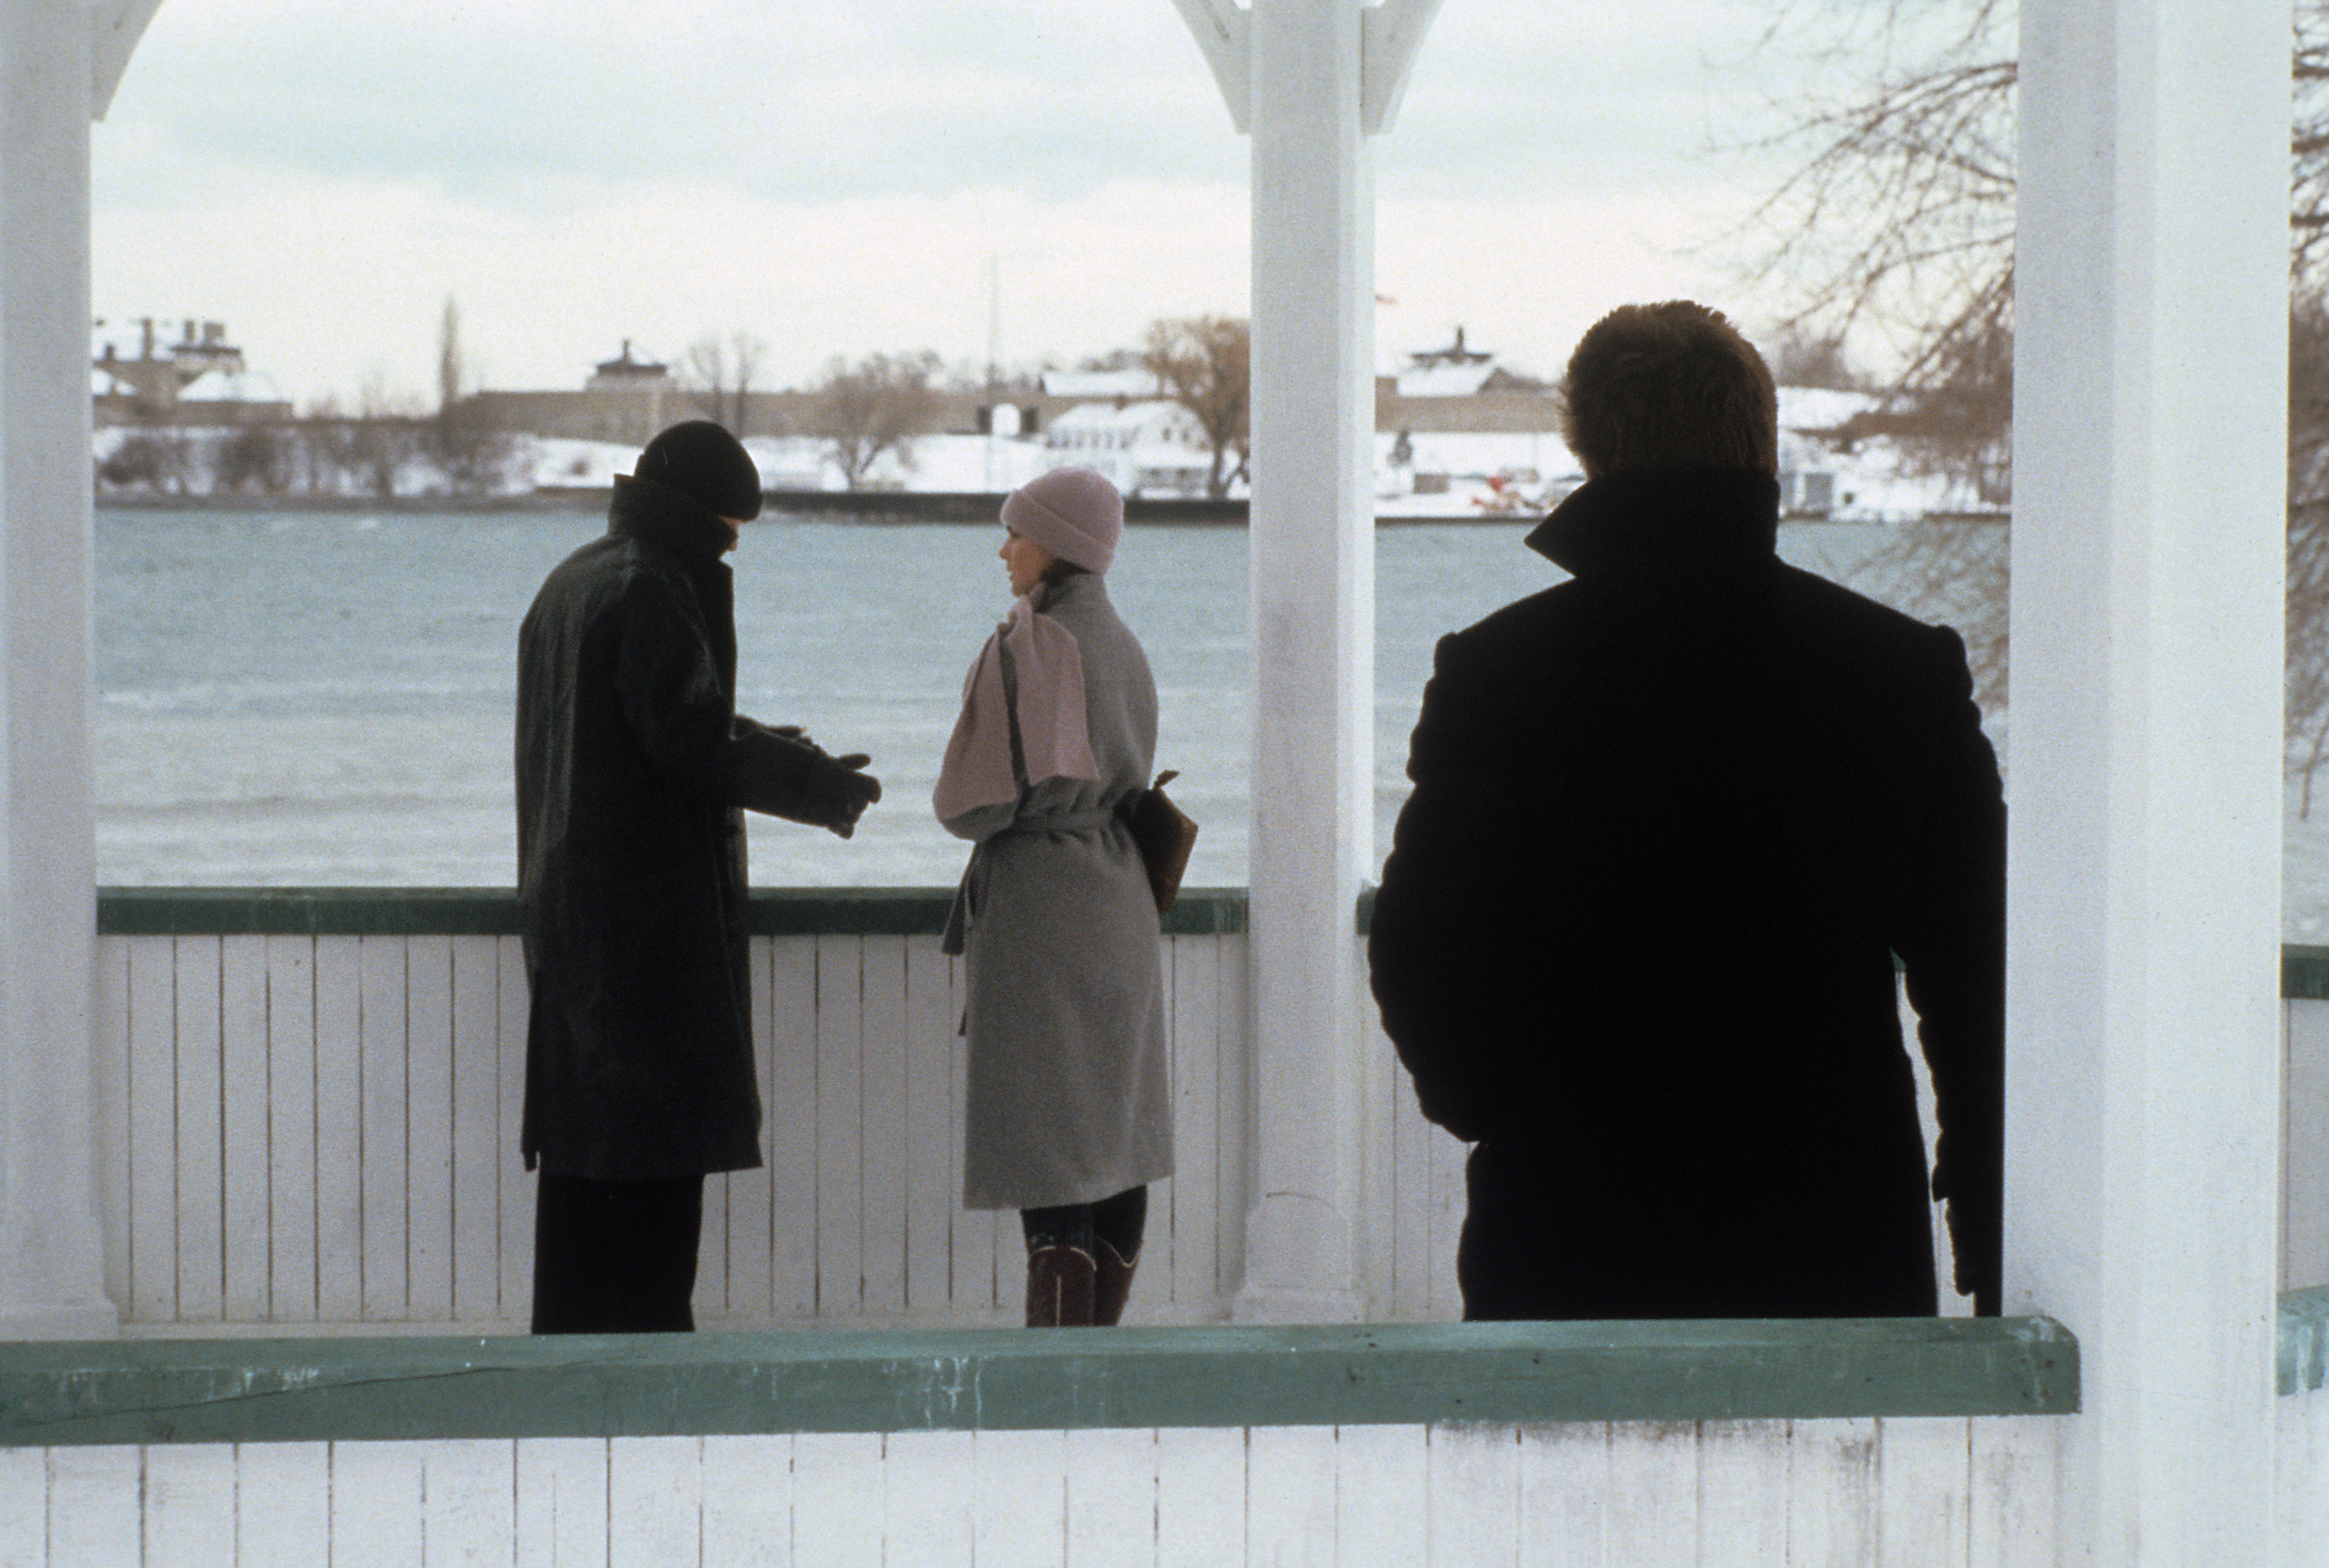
x=51, y=1251
x=2305, y=1146
x=429, y=1213
x=1111, y=1498
x=1289, y=1494
x=291, y=1128
x=245, y=1136
x=469, y=1514
x=1193, y=1278
x=1650, y=1516
x=837, y=1496
x=2152, y=266
x=927, y=1482
x=1474, y=1495
x=2013, y=1513
x=1390, y=33
x=559, y=1502
x=1223, y=32
x=23, y=1507
x=1018, y=1505
x=2301, y=1511
x=990, y=1275
x=882, y=1131
x=1743, y=1494
x=840, y=1126
x=750, y=1241
x=477, y=1136
x=112, y=1046
x=283, y=1503
x=655, y=1502
x=710, y=1299
x=1311, y=537
x=339, y=1129
x=378, y=1498
x=791, y=1120
x=516, y=1183
x=1234, y=1163
x=1831, y=1493
x=201, y=1175
x=1382, y=1496
x=933, y=1185
x=189, y=1505
x=151, y=1160
x=1198, y=1471
x=1924, y=1471
x=117, y=25
x=385, y=1155
x=748, y=1502
x=1565, y=1490
x=93, y=1507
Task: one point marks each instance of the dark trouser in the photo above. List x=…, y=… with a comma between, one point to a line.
x=1118, y=1221
x=615, y=1257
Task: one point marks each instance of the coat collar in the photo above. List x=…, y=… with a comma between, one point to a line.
x=1654, y=519
x=660, y=515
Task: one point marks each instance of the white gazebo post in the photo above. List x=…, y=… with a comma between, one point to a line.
x=2144, y=1077
x=1312, y=80
x=59, y=61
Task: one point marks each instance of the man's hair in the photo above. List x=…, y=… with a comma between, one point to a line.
x=1671, y=385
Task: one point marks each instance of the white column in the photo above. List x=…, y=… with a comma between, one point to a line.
x=51, y=1272
x=2142, y=1161
x=1312, y=543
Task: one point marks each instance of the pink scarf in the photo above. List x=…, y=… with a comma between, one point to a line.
x=1054, y=734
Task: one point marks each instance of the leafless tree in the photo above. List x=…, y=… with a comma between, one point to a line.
x=721, y=373
x=877, y=405
x=383, y=440
x=1205, y=364
x=470, y=449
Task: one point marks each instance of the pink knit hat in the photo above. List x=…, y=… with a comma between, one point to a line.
x=1073, y=512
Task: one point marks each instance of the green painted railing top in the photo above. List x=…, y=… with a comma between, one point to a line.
x=493, y=911
x=666, y=1385
x=2304, y=1359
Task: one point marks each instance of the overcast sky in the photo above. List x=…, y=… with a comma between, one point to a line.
x=835, y=175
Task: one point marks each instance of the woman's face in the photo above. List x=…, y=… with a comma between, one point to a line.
x=1026, y=561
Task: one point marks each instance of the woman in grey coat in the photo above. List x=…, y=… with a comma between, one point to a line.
x=1070, y=1114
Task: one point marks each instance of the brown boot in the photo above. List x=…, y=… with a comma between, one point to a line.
x=1059, y=1288
x=1111, y=1284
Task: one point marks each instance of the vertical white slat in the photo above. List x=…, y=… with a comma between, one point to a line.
x=1651, y=1515
x=837, y=1496
x=1194, y=1287
x=750, y=1192
x=112, y=1044
x=1111, y=1498
x=469, y=1514
x=1443, y=1294
x=1411, y=1210
x=1382, y=1496
x=932, y=1183
x=882, y=1029
x=2011, y=1518
x=284, y=1503
x=1475, y=1481
x=202, y=1171
x=246, y=1129
x=2305, y=1149
x=926, y=1479
x=792, y=1123
x=339, y=1130
x=709, y=1300
x=383, y=1052
x=1742, y=1494
x=291, y=1128
x=654, y=1507
x=988, y=1278
x=514, y=1259
x=1565, y=1488
x=93, y=1517
x=377, y=1501
x=1235, y=1157
x=24, y=1506
x=1924, y=1469
x=1018, y=1506
x=477, y=1131
x=429, y=1127
x=1832, y=1493
x=840, y=1129
x=189, y=1503
x=560, y=1503
x=1201, y=1488
x=1380, y=1071
x=747, y=1501
x=153, y=1122
x=1289, y=1494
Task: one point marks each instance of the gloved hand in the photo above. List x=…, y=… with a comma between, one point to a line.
x=839, y=789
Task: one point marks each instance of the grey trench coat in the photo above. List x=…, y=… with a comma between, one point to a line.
x=1068, y=1098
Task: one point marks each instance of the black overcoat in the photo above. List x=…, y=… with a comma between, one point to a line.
x=1671, y=821
x=632, y=767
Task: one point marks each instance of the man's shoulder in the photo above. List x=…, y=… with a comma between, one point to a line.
x=1811, y=601
x=608, y=571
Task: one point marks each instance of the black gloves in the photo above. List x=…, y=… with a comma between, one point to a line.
x=839, y=789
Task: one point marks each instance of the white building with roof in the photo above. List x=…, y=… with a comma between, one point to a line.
x=1152, y=447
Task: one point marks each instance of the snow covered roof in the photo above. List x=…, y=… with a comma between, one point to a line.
x=1444, y=381
x=1134, y=383
x=232, y=386
x=1819, y=408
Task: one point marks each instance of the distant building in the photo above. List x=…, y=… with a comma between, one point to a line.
x=200, y=380
x=1152, y=447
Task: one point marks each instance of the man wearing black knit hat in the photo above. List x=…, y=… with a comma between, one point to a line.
x=634, y=771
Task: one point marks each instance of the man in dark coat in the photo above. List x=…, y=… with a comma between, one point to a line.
x=633, y=773
x=1672, y=820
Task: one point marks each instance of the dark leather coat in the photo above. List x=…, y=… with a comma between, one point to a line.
x=632, y=767
x=1671, y=819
